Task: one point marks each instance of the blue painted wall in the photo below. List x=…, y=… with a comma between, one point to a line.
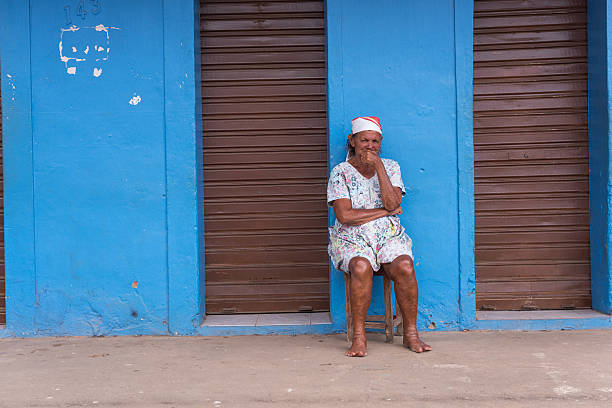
x=102, y=159
x=17, y=157
x=599, y=130
x=184, y=174
x=112, y=222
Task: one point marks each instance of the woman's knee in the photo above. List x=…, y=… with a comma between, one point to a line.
x=404, y=267
x=360, y=268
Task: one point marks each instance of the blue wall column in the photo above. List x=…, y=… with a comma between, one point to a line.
x=600, y=95
x=20, y=270
x=184, y=164
x=464, y=39
x=397, y=61
x=335, y=115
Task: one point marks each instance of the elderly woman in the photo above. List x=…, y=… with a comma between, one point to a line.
x=366, y=192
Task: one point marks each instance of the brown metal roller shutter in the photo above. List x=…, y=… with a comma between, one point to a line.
x=265, y=156
x=2, y=287
x=531, y=155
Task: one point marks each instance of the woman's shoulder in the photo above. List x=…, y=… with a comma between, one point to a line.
x=389, y=162
x=340, y=167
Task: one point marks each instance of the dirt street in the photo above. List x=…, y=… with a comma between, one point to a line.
x=471, y=369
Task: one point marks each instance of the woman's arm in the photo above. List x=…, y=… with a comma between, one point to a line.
x=346, y=214
x=391, y=195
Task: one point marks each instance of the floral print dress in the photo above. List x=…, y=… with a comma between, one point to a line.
x=381, y=240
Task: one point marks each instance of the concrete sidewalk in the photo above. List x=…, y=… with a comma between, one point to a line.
x=472, y=369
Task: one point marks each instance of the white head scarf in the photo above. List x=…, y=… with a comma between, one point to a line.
x=361, y=123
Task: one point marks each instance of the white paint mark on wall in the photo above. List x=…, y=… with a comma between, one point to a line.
x=605, y=389
x=76, y=42
x=135, y=100
x=11, y=86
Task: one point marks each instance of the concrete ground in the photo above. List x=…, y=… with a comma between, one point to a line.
x=471, y=369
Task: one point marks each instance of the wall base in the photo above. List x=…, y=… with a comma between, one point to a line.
x=543, y=320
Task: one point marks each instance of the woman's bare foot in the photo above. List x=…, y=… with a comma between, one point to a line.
x=359, y=348
x=414, y=343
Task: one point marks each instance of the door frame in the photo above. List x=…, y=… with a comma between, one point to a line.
x=464, y=59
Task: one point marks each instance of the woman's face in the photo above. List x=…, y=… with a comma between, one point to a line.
x=366, y=140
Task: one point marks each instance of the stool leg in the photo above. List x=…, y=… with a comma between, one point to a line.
x=388, y=310
x=398, y=322
x=349, y=313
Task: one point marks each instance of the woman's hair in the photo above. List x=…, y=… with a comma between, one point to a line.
x=349, y=148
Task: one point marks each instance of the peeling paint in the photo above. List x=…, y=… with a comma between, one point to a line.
x=77, y=36
x=12, y=88
x=135, y=100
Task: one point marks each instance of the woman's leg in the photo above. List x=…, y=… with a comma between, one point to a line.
x=361, y=294
x=401, y=271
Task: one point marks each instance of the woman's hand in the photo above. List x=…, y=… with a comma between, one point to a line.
x=370, y=157
x=397, y=211
x=391, y=196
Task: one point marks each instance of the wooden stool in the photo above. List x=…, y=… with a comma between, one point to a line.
x=385, y=321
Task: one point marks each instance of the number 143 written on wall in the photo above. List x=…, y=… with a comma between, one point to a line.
x=82, y=8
